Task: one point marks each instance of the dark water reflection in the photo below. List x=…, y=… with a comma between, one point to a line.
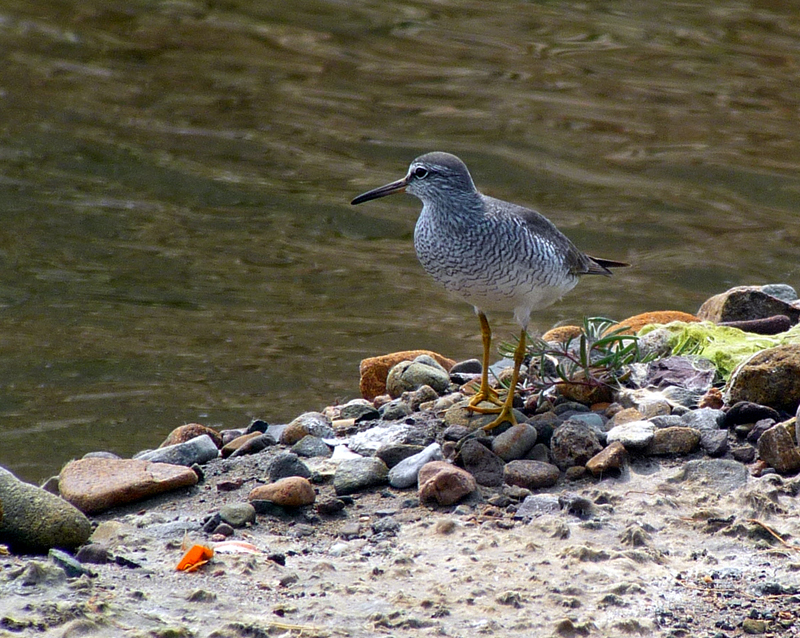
x=176, y=243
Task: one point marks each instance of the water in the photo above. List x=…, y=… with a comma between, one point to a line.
x=177, y=244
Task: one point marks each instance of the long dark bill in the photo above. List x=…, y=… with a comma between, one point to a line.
x=395, y=187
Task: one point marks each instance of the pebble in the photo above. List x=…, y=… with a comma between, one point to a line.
x=237, y=514
x=649, y=403
x=311, y=446
x=703, y=419
x=255, y=443
x=287, y=464
x=483, y=464
x=293, y=491
x=531, y=475
x=573, y=443
x=444, y=483
x=714, y=442
x=770, y=377
x=374, y=370
x=394, y=410
x=314, y=423
x=515, y=442
x=625, y=415
x=354, y=475
x=187, y=432
x=95, y=485
x=776, y=448
x=747, y=412
x=200, y=449
x=675, y=440
x=537, y=504
x=405, y=473
x=424, y=394
x=610, y=460
x=634, y=435
x=94, y=553
x=393, y=453
x=411, y=375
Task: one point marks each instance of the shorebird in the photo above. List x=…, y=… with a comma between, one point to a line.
x=493, y=254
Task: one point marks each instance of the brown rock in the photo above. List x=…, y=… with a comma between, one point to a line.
x=573, y=443
x=610, y=459
x=444, y=483
x=94, y=485
x=777, y=449
x=562, y=334
x=374, y=370
x=744, y=303
x=293, y=491
x=239, y=441
x=634, y=324
x=674, y=440
x=770, y=377
x=626, y=415
x=313, y=423
x=190, y=431
x=531, y=475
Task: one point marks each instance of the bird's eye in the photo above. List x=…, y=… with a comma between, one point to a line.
x=420, y=172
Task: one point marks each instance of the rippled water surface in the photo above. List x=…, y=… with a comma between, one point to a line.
x=177, y=244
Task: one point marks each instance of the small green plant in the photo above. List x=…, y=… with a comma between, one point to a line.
x=597, y=358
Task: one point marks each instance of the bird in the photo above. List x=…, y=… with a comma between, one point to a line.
x=495, y=255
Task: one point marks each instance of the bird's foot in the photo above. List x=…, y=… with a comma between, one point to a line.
x=506, y=415
x=486, y=394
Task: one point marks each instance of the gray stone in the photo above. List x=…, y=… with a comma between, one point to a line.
x=515, y=442
x=311, y=446
x=573, y=444
x=481, y=462
x=682, y=397
x=720, y=475
x=416, y=398
x=353, y=475
x=714, y=442
x=411, y=375
x=703, y=419
x=784, y=292
x=405, y=473
x=34, y=520
x=287, y=464
x=469, y=366
x=237, y=514
x=531, y=475
x=537, y=504
x=635, y=435
x=667, y=421
x=394, y=410
x=393, y=453
x=200, y=449
x=357, y=410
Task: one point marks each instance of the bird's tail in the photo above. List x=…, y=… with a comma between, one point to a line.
x=598, y=266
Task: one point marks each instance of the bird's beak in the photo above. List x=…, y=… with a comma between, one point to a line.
x=395, y=187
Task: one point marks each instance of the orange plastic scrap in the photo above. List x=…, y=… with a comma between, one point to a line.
x=194, y=558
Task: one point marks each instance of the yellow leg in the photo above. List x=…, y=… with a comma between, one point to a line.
x=507, y=410
x=485, y=392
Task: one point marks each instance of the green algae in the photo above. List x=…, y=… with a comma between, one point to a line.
x=724, y=346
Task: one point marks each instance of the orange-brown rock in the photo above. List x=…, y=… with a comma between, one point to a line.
x=562, y=334
x=632, y=325
x=187, y=432
x=444, y=483
x=292, y=491
x=96, y=484
x=374, y=370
